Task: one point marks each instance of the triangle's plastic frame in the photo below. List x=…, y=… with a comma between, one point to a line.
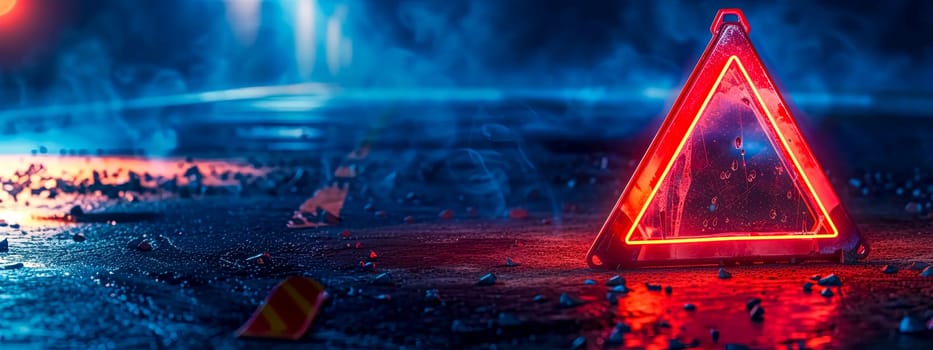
x=729, y=46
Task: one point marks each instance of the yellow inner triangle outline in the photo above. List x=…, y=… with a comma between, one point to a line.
x=654, y=190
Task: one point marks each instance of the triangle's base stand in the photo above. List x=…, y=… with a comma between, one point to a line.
x=626, y=240
x=612, y=253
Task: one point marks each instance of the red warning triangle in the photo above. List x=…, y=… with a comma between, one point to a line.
x=729, y=176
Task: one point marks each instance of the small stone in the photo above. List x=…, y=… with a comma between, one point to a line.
x=508, y=320
x=889, y=269
x=510, y=263
x=676, y=344
x=487, y=280
x=432, y=296
x=815, y=277
x=459, y=327
x=612, y=299
x=579, y=343
x=383, y=279
x=808, y=287
x=409, y=219
x=369, y=207
x=383, y=297
x=689, y=307
x=736, y=347
x=615, y=281
x=567, y=300
x=911, y=325
x=668, y=289
x=546, y=221
x=76, y=211
x=619, y=289
x=617, y=334
x=381, y=214
x=653, y=287
x=615, y=338
x=918, y=266
x=927, y=272
x=826, y=292
x=757, y=313
x=723, y=274
x=14, y=226
x=913, y=208
x=446, y=214
x=345, y=234
x=373, y=255
x=714, y=333
x=751, y=303
x=540, y=298
x=471, y=211
x=13, y=266
x=144, y=246
x=518, y=213
x=830, y=280
x=4, y=246
x=589, y=282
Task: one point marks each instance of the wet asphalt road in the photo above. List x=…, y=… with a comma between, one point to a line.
x=196, y=286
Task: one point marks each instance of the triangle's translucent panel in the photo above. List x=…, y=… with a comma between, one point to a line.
x=730, y=179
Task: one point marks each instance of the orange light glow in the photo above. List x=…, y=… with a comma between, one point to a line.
x=680, y=146
x=6, y=6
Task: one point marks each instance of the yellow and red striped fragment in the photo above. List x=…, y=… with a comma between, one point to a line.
x=288, y=310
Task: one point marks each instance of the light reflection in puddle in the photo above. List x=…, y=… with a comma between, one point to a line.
x=790, y=315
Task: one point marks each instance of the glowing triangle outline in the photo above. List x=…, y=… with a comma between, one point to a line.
x=786, y=148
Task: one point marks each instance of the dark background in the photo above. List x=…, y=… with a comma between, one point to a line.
x=815, y=46
x=840, y=59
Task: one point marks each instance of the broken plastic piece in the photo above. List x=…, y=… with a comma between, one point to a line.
x=384, y=279
x=757, y=313
x=288, y=310
x=830, y=280
x=927, y=272
x=567, y=300
x=487, y=280
x=615, y=281
x=729, y=176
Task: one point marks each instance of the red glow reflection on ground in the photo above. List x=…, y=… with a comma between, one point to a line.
x=725, y=310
